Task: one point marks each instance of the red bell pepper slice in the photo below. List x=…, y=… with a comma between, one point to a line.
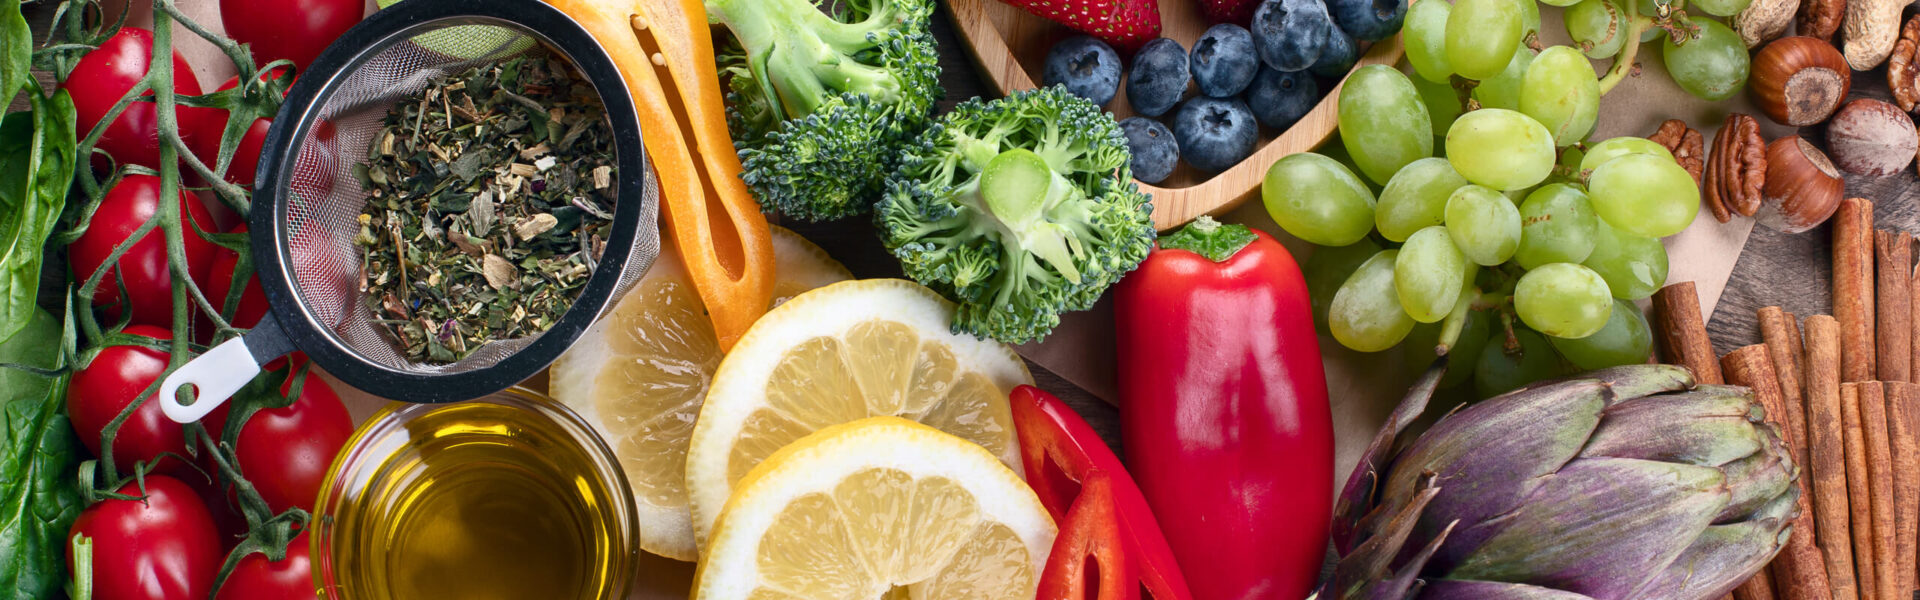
x=1090, y=559
x=1059, y=450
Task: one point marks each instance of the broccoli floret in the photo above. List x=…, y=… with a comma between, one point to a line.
x=1018, y=209
x=822, y=102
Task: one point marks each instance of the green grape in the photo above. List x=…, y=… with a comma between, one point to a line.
x=1443, y=103
x=1416, y=198
x=1418, y=351
x=1484, y=224
x=1482, y=36
x=1721, y=8
x=1644, y=195
x=1503, y=370
x=1556, y=225
x=1529, y=21
x=1634, y=267
x=1560, y=3
x=1425, y=32
x=1612, y=148
x=1562, y=93
x=1328, y=267
x=1503, y=91
x=1429, y=274
x=1337, y=150
x=1712, y=65
x=1383, y=123
x=1624, y=340
x=1365, y=314
x=1563, y=300
x=1597, y=27
x=1500, y=149
x=1317, y=199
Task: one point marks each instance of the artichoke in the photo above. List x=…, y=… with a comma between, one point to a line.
x=1630, y=482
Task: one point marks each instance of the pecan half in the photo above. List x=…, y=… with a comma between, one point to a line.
x=1737, y=169
x=1821, y=18
x=1902, y=75
x=1685, y=144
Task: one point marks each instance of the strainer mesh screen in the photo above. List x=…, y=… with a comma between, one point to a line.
x=325, y=199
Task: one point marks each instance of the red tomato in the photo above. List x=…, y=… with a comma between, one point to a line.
x=114, y=379
x=128, y=205
x=104, y=75
x=253, y=301
x=162, y=547
x=295, y=30
x=227, y=520
x=285, y=452
x=257, y=578
x=246, y=156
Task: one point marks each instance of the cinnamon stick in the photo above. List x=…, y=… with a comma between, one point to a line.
x=1756, y=587
x=1903, y=431
x=1828, y=457
x=1794, y=340
x=1683, y=332
x=1853, y=287
x=1893, y=313
x=1913, y=320
x=1859, y=499
x=1799, y=571
x=1873, y=423
x=1783, y=342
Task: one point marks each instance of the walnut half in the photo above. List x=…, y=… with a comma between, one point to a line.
x=1737, y=169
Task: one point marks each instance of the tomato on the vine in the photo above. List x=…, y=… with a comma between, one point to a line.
x=114, y=379
x=285, y=452
x=161, y=547
x=253, y=301
x=144, y=266
x=246, y=156
x=296, y=30
x=256, y=578
x=104, y=75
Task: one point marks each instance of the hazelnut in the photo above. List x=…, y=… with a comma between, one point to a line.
x=1873, y=138
x=1799, y=81
x=1802, y=188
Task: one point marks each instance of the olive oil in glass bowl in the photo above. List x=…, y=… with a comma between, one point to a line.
x=509, y=496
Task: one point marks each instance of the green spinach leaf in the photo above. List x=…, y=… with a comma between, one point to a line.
x=39, y=456
x=16, y=49
x=36, y=168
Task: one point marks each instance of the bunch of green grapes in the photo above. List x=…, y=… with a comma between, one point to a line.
x=1510, y=244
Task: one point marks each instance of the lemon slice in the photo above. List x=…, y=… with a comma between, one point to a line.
x=844, y=352
x=640, y=373
x=878, y=508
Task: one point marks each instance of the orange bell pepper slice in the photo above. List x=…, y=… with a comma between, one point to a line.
x=665, y=52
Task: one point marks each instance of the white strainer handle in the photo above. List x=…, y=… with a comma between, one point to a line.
x=215, y=376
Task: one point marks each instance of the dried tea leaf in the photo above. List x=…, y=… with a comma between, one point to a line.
x=498, y=271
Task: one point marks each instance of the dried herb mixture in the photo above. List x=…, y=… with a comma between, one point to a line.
x=491, y=193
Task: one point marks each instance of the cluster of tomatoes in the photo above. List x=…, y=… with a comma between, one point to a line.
x=167, y=534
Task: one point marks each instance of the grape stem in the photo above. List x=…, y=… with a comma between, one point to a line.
x=1623, y=65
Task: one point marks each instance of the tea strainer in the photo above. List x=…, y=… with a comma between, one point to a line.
x=307, y=204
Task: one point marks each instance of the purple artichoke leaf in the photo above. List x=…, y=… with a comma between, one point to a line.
x=1490, y=456
x=1374, y=557
x=1406, y=581
x=1357, y=497
x=1758, y=479
x=1452, y=589
x=1723, y=556
x=1635, y=381
x=1598, y=527
x=1707, y=427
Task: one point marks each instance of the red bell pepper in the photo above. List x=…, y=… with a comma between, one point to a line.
x=1223, y=409
x=1060, y=452
x=1090, y=535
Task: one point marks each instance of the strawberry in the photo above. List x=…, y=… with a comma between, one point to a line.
x=1238, y=12
x=1124, y=24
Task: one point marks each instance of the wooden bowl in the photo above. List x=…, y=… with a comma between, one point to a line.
x=1012, y=45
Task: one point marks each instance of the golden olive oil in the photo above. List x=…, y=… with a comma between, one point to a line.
x=477, y=500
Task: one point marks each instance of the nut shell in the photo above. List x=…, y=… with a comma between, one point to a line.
x=1872, y=138
x=1802, y=189
x=1799, y=81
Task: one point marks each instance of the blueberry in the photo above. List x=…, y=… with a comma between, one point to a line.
x=1215, y=133
x=1088, y=67
x=1224, y=61
x=1158, y=78
x=1290, y=33
x=1279, y=98
x=1155, y=152
x=1337, y=56
x=1370, y=20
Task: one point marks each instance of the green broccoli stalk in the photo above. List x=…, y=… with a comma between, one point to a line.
x=821, y=103
x=1018, y=209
